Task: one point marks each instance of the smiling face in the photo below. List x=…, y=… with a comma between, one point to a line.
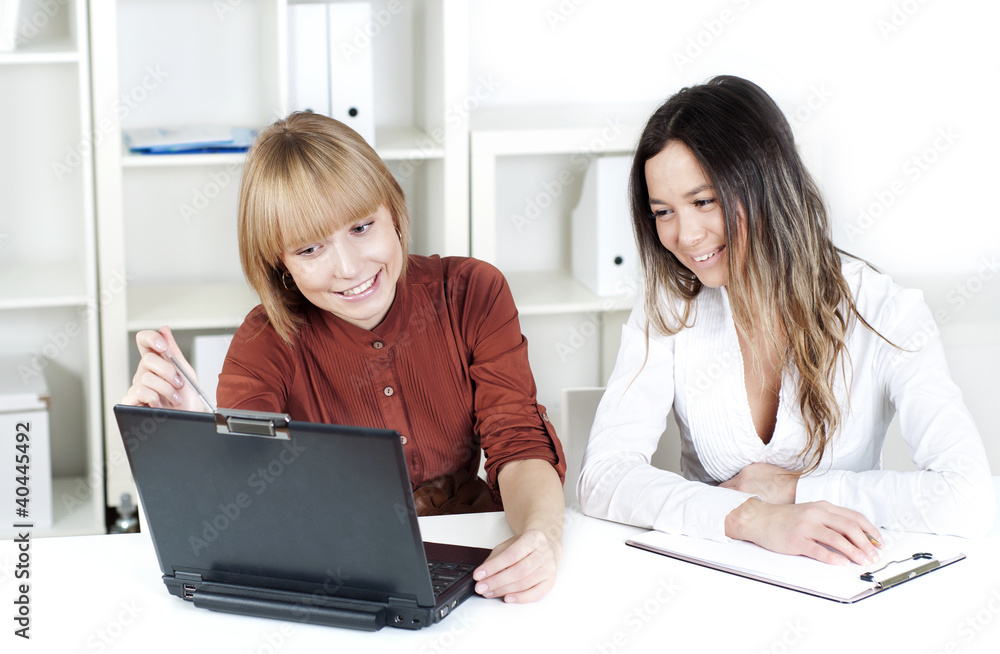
x=351, y=273
x=689, y=219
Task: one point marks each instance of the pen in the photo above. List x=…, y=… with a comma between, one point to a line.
x=198, y=390
x=874, y=541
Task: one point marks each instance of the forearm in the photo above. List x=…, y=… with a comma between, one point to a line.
x=532, y=497
x=957, y=501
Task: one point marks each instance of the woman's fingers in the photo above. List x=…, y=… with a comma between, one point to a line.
x=819, y=530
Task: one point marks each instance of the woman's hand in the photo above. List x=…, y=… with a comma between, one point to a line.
x=772, y=484
x=523, y=568
x=520, y=569
x=156, y=382
x=819, y=530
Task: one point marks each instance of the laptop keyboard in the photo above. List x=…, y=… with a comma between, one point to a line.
x=444, y=575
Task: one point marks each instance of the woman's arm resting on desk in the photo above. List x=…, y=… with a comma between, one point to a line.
x=156, y=382
x=770, y=483
x=523, y=568
x=806, y=529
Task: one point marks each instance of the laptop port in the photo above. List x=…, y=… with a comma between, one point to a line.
x=398, y=619
x=188, y=591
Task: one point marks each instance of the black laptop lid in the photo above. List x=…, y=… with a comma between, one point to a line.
x=320, y=509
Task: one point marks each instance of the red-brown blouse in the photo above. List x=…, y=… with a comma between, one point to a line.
x=447, y=368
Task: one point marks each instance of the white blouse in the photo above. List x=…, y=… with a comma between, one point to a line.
x=699, y=373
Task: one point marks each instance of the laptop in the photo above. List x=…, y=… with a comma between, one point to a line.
x=257, y=514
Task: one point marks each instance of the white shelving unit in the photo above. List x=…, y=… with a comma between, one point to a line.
x=528, y=165
x=167, y=223
x=49, y=297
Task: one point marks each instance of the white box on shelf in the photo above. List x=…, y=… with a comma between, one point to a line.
x=209, y=354
x=605, y=258
x=26, y=485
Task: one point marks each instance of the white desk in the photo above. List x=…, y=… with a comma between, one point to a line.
x=104, y=594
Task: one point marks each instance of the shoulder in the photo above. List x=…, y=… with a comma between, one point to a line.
x=460, y=276
x=256, y=337
x=878, y=298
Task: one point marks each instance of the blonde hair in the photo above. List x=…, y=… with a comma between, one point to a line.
x=789, y=284
x=305, y=177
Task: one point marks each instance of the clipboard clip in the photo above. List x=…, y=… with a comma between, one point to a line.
x=253, y=423
x=903, y=576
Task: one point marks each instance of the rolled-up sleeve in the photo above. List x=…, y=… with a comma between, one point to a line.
x=508, y=419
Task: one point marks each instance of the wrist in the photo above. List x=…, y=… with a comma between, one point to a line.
x=738, y=520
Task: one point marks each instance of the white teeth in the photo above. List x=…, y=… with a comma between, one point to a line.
x=359, y=289
x=705, y=257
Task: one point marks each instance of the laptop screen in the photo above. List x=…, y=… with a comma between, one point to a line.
x=326, y=509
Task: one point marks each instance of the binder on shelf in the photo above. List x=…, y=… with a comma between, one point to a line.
x=308, y=58
x=330, y=63
x=10, y=11
x=605, y=258
x=905, y=556
x=352, y=96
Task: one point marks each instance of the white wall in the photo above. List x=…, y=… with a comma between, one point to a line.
x=895, y=103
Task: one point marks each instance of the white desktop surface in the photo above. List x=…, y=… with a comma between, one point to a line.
x=104, y=594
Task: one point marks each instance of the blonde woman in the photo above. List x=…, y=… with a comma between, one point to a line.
x=782, y=358
x=354, y=330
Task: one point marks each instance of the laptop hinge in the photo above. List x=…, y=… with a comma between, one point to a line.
x=408, y=602
x=252, y=423
x=188, y=576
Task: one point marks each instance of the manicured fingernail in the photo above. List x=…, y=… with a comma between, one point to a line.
x=176, y=399
x=482, y=588
x=479, y=574
x=178, y=382
x=510, y=599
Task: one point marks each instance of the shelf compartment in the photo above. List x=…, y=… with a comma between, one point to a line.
x=189, y=306
x=41, y=285
x=546, y=292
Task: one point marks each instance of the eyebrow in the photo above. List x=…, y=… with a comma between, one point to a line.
x=693, y=192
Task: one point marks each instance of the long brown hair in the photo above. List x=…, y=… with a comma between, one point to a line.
x=305, y=177
x=789, y=287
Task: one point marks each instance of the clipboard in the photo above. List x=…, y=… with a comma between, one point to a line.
x=905, y=557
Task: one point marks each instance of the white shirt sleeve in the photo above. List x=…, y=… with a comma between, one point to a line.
x=617, y=481
x=952, y=493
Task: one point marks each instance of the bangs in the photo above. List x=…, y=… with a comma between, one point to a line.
x=314, y=193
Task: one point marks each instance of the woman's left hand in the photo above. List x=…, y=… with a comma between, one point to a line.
x=520, y=569
x=773, y=484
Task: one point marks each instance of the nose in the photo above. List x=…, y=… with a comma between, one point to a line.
x=690, y=231
x=346, y=261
